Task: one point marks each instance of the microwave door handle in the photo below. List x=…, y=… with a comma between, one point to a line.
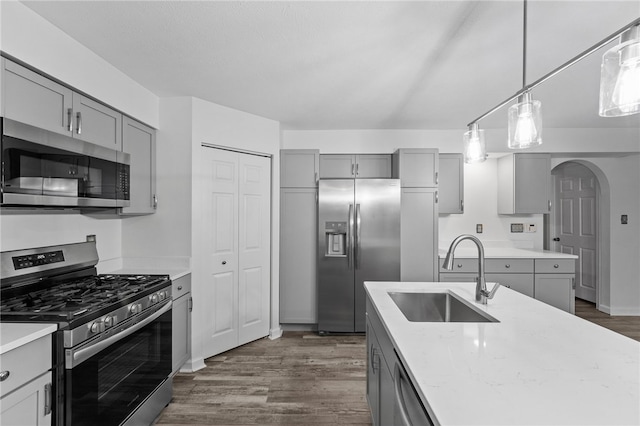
x=84, y=354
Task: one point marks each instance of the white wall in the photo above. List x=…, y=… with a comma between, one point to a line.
x=167, y=233
x=222, y=126
x=622, y=297
x=28, y=37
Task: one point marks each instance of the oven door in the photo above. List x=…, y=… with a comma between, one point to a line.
x=106, y=381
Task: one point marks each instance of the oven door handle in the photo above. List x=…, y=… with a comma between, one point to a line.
x=84, y=354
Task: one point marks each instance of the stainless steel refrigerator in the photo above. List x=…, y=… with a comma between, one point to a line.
x=358, y=241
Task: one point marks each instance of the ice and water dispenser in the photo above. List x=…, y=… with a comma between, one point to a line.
x=336, y=239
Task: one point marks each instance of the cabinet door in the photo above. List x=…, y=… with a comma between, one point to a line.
x=417, y=168
x=139, y=141
x=373, y=166
x=532, y=185
x=299, y=168
x=522, y=283
x=29, y=405
x=181, y=331
x=419, y=234
x=33, y=99
x=524, y=184
x=96, y=123
x=557, y=290
x=337, y=166
x=373, y=374
x=451, y=184
x=298, y=255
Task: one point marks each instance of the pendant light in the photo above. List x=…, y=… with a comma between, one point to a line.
x=525, y=117
x=475, y=150
x=620, y=76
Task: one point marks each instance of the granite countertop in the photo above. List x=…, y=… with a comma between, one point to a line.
x=505, y=253
x=538, y=365
x=14, y=334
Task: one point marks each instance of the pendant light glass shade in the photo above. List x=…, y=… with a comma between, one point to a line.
x=525, y=123
x=620, y=76
x=475, y=150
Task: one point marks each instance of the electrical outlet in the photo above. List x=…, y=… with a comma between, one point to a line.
x=517, y=227
x=479, y=228
x=624, y=219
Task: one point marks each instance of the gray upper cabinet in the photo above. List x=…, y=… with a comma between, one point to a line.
x=348, y=166
x=524, y=184
x=299, y=168
x=451, y=184
x=416, y=167
x=140, y=142
x=34, y=99
x=96, y=123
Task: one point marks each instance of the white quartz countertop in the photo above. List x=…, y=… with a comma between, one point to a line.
x=538, y=366
x=505, y=253
x=174, y=273
x=14, y=335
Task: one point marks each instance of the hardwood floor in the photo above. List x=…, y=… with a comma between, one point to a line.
x=299, y=379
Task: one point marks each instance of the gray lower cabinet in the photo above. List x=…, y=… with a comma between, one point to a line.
x=348, y=166
x=35, y=99
x=298, y=248
x=451, y=184
x=392, y=397
x=25, y=392
x=549, y=280
x=181, y=316
x=139, y=141
x=419, y=234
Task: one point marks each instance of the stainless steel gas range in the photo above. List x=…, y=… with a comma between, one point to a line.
x=112, y=351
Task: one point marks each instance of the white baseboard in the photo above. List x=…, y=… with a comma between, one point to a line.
x=193, y=365
x=275, y=333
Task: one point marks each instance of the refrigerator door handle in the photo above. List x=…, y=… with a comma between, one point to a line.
x=356, y=252
x=350, y=238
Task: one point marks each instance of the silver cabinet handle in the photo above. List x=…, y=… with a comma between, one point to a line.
x=224, y=262
x=573, y=283
x=437, y=178
x=399, y=376
x=436, y=197
x=358, y=233
x=507, y=266
x=350, y=238
x=4, y=375
x=357, y=168
x=69, y=120
x=155, y=201
x=556, y=266
x=372, y=359
x=462, y=205
x=549, y=205
x=79, y=123
x=179, y=287
x=353, y=169
x=47, y=399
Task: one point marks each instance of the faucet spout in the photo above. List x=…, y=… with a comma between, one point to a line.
x=481, y=285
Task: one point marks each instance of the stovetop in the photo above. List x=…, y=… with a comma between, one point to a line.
x=80, y=298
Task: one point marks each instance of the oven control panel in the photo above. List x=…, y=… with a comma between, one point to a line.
x=38, y=259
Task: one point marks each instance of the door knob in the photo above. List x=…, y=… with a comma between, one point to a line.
x=556, y=239
x=224, y=262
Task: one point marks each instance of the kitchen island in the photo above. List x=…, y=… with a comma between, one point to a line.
x=537, y=365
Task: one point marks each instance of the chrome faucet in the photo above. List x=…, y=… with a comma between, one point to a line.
x=481, y=285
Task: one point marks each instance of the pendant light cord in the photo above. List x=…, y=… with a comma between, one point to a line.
x=524, y=45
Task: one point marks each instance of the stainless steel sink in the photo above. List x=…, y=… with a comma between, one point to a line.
x=437, y=307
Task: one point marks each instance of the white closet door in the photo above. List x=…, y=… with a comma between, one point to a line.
x=254, y=247
x=236, y=243
x=220, y=245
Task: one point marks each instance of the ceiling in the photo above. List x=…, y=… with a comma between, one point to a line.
x=356, y=64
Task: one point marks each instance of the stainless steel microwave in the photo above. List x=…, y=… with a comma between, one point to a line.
x=43, y=168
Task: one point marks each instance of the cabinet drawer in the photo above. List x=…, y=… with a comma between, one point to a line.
x=555, y=266
x=509, y=266
x=181, y=286
x=461, y=265
x=25, y=363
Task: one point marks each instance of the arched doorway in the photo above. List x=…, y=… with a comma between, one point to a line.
x=580, y=225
